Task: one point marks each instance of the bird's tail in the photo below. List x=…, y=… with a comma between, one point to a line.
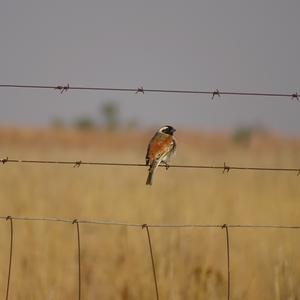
x=151, y=172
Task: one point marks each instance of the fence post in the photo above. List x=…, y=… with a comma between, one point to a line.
x=10, y=254
x=79, y=257
x=152, y=260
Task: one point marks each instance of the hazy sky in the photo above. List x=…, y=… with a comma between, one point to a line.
x=236, y=45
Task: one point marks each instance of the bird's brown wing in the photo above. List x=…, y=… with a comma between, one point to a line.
x=158, y=146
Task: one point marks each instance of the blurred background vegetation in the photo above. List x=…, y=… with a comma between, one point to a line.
x=109, y=117
x=191, y=263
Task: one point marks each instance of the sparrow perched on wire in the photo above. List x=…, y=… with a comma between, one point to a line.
x=160, y=149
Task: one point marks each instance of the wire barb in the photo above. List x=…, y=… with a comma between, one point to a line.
x=295, y=96
x=226, y=168
x=215, y=93
x=298, y=173
x=62, y=88
x=77, y=164
x=4, y=160
x=140, y=90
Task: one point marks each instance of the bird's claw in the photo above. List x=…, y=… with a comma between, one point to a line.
x=167, y=166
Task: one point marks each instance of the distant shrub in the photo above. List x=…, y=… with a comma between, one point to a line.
x=110, y=112
x=84, y=123
x=132, y=124
x=243, y=135
x=57, y=123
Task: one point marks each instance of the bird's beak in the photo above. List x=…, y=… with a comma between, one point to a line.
x=173, y=130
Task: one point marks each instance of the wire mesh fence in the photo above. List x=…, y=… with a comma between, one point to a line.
x=78, y=223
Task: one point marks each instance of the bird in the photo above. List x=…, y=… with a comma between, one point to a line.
x=160, y=149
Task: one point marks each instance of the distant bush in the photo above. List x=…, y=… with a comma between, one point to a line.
x=110, y=112
x=57, y=123
x=84, y=123
x=243, y=135
x=132, y=124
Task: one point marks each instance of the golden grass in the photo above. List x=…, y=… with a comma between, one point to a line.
x=191, y=263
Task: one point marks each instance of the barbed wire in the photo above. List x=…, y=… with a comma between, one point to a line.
x=150, y=242
x=77, y=163
x=142, y=90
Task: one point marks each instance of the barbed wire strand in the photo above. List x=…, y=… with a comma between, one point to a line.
x=225, y=168
x=10, y=255
x=75, y=221
x=228, y=260
x=141, y=90
x=152, y=260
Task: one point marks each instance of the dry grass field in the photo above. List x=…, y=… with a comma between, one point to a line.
x=191, y=263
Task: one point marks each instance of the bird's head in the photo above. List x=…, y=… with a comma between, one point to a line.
x=167, y=130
